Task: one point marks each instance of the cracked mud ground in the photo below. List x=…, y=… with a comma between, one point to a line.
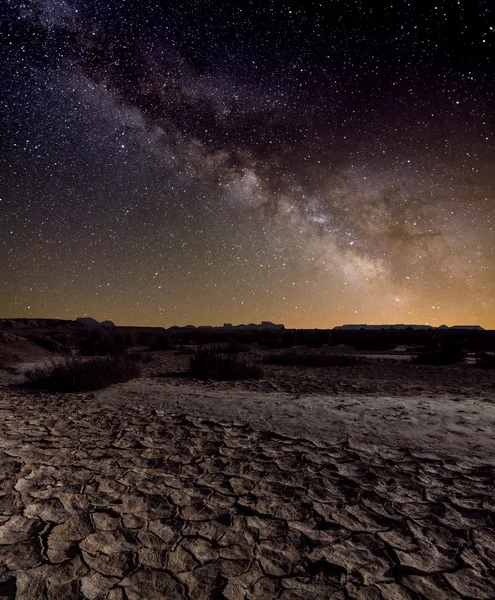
x=100, y=501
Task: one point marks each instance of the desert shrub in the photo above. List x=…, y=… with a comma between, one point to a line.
x=288, y=339
x=144, y=337
x=205, y=364
x=382, y=340
x=232, y=348
x=161, y=342
x=141, y=357
x=310, y=359
x=185, y=350
x=314, y=338
x=102, y=343
x=275, y=342
x=129, y=340
x=76, y=374
x=247, y=337
x=485, y=361
x=447, y=354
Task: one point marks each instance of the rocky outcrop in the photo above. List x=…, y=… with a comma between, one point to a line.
x=89, y=321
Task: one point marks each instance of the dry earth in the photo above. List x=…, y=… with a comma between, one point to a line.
x=168, y=488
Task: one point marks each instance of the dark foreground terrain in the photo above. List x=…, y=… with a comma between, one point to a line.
x=369, y=478
x=100, y=500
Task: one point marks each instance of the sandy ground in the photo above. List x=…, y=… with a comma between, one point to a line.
x=374, y=481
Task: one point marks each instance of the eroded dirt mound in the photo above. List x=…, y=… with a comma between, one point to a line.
x=16, y=349
x=97, y=502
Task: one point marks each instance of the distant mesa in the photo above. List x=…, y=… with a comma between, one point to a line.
x=94, y=323
x=229, y=326
x=363, y=326
x=107, y=323
x=252, y=326
x=88, y=321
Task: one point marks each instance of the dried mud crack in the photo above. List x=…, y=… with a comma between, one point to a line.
x=105, y=502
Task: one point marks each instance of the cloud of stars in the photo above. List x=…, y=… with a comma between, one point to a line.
x=207, y=162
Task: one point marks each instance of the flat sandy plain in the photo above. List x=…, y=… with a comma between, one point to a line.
x=364, y=482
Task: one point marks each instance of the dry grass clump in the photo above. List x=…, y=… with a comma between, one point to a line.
x=310, y=359
x=206, y=364
x=77, y=375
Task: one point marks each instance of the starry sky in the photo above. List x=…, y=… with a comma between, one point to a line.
x=202, y=162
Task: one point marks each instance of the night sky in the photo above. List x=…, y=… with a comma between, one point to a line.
x=201, y=162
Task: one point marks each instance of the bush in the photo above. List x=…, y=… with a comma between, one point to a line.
x=141, y=357
x=275, y=342
x=313, y=338
x=311, y=359
x=232, y=348
x=144, y=338
x=447, y=354
x=101, y=343
x=379, y=341
x=185, y=350
x=208, y=365
x=161, y=342
x=485, y=361
x=77, y=375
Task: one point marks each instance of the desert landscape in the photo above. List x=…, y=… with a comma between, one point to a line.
x=367, y=476
x=247, y=300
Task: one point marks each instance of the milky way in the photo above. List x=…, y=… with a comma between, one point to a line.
x=201, y=162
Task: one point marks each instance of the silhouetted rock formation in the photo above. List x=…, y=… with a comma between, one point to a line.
x=363, y=326
x=262, y=325
x=107, y=323
x=40, y=324
x=88, y=321
x=94, y=323
x=229, y=326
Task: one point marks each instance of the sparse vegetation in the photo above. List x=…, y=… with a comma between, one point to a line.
x=144, y=338
x=141, y=357
x=310, y=359
x=380, y=341
x=485, y=361
x=102, y=343
x=161, y=342
x=232, y=348
x=275, y=342
x=206, y=364
x=83, y=374
x=446, y=354
x=185, y=350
